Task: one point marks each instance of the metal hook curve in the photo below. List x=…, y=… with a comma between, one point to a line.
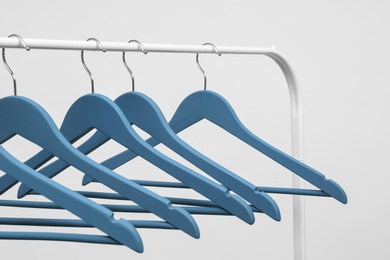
x=85, y=66
x=200, y=67
x=127, y=67
x=5, y=61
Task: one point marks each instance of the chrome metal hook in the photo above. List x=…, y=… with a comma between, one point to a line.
x=5, y=61
x=127, y=67
x=200, y=67
x=85, y=66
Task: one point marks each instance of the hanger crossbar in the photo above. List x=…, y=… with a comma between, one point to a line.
x=179, y=185
x=197, y=210
x=77, y=223
x=51, y=236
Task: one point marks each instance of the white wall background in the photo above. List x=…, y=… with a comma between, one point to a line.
x=339, y=50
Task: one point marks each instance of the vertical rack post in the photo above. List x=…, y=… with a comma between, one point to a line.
x=299, y=222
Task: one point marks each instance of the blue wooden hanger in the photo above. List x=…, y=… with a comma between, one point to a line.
x=213, y=107
x=47, y=135
x=22, y=116
x=99, y=112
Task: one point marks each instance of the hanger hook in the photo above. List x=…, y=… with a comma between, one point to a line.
x=5, y=61
x=200, y=67
x=85, y=66
x=127, y=67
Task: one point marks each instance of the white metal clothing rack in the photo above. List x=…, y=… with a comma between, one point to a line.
x=295, y=98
